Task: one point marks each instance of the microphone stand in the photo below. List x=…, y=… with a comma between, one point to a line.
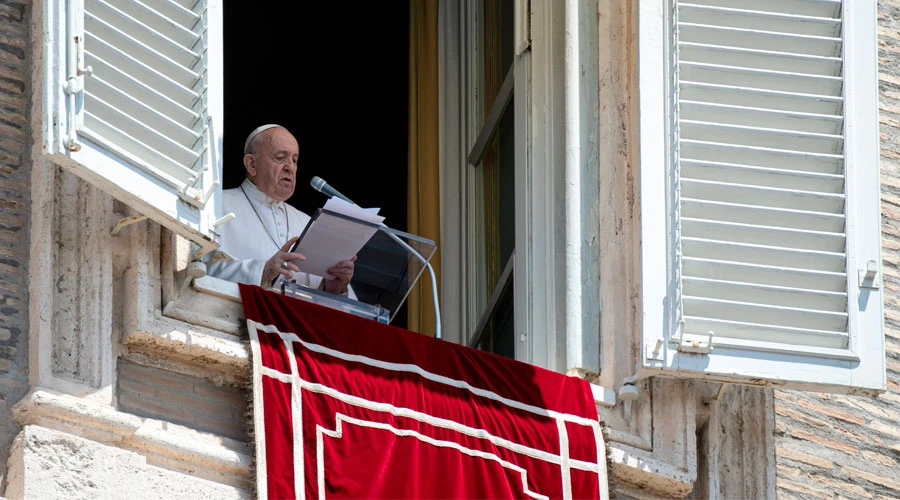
x=437, y=310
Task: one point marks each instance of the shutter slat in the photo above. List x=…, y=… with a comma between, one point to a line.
x=765, y=275
x=813, y=8
x=150, y=117
x=759, y=59
x=762, y=79
x=119, y=62
x=761, y=157
x=144, y=154
x=141, y=91
x=189, y=5
x=750, y=293
x=766, y=333
x=766, y=216
x=741, y=95
x=760, y=176
x=791, y=317
x=174, y=11
x=770, y=138
x=762, y=196
x=764, y=254
x=759, y=20
x=152, y=59
x=764, y=235
x=711, y=111
x=760, y=39
x=142, y=23
x=123, y=123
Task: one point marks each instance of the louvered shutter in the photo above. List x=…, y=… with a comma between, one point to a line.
x=134, y=104
x=772, y=270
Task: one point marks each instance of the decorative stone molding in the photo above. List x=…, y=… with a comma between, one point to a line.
x=638, y=474
x=163, y=444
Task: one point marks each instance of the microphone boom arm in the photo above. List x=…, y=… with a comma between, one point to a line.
x=434, y=291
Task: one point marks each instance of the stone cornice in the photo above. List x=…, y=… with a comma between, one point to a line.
x=163, y=443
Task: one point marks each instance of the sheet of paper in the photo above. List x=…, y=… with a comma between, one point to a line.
x=331, y=238
x=335, y=204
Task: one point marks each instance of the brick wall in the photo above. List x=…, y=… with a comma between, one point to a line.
x=14, y=175
x=830, y=446
x=172, y=397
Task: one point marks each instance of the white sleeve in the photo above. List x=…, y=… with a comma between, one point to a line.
x=220, y=265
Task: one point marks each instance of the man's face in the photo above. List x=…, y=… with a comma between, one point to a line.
x=273, y=168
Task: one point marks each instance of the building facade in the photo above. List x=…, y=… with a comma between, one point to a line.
x=122, y=364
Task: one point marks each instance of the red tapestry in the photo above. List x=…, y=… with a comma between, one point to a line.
x=345, y=407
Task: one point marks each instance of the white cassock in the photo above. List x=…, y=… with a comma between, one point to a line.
x=261, y=226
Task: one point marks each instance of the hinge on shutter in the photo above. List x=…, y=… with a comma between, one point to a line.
x=697, y=344
x=74, y=85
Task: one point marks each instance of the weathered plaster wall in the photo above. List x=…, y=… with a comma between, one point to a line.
x=14, y=172
x=830, y=446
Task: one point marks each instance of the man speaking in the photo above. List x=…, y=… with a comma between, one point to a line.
x=255, y=246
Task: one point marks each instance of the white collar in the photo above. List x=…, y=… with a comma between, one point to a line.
x=254, y=193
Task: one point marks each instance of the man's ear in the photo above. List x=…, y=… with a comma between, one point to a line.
x=250, y=164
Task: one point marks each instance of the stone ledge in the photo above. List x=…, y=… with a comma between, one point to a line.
x=198, y=332
x=211, y=303
x=637, y=473
x=161, y=442
x=173, y=335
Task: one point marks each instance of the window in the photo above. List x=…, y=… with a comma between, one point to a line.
x=530, y=281
x=760, y=207
x=133, y=104
x=491, y=185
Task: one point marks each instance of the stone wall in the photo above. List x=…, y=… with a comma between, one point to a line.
x=14, y=174
x=830, y=446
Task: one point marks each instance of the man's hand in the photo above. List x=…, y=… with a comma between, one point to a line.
x=343, y=273
x=280, y=263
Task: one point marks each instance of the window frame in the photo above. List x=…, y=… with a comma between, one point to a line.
x=460, y=127
x=824, y=370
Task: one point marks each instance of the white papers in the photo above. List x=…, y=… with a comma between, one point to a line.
x=336, y=233
x=335, y=204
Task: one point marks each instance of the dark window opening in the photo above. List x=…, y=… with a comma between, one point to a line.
x=336, y=76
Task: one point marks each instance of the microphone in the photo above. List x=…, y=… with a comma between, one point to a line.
x=323, y=187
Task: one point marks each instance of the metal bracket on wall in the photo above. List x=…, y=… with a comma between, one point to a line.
x=697, y=344
x=867, y=276
x=127, y=221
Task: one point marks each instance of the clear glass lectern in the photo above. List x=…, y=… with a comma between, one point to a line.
x=385, y=271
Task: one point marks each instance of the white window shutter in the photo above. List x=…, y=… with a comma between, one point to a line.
x=134, y=104
x=760, y=193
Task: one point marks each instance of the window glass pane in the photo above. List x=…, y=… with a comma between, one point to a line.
x=498, y=334
x=494, y=221
x=498, y=46
x=492, y=190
